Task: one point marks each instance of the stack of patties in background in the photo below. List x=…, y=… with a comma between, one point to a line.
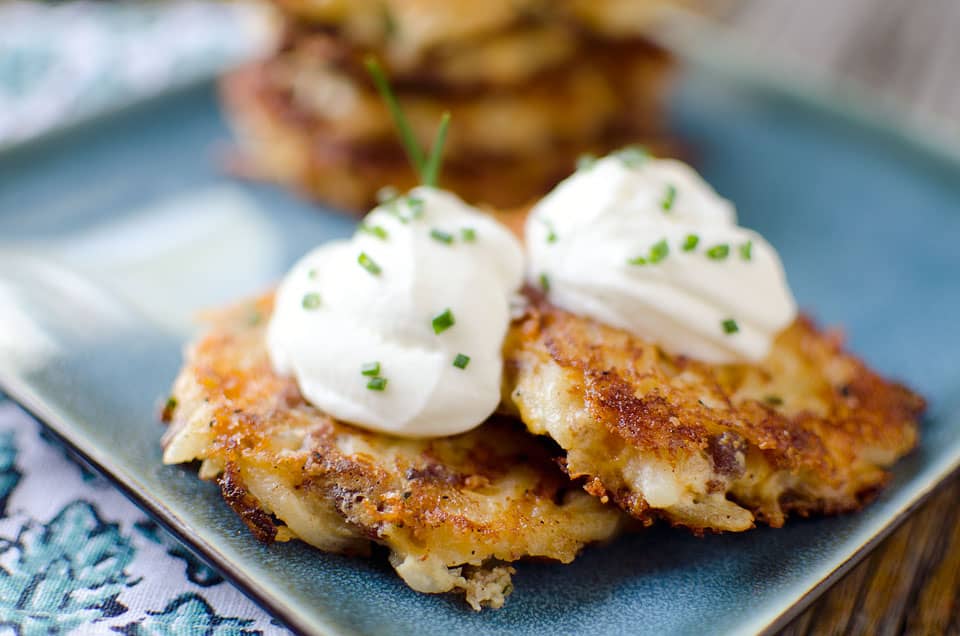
x=531, y=85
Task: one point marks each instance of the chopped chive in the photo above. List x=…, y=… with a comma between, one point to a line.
x=416, y=207
x=461, y=361
x=468, y=234
x=551, y=232
x=403, y=218
x=669, y=198
x=718, y=252
x=443, y=321
x=730, y=326
x=407, y=138
x=375, y=230
x=431, y=169
x=254, y=318
x=586, y=161
x=773, y=400
x=387, y=194
x=441, y=236
x=637, y=260
x=690, y=243
x=311, y=300
x=633, y=156
x=659, y=251
x=312, y=273
x=746, y=251
x=545, y=283
x=369, y=264
x=370, y=368
x=377, y=384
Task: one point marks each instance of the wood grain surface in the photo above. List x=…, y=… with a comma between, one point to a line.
x=908, y=585
x=906, y=55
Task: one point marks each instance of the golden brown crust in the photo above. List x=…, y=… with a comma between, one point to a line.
x=246, y=505
x=809, y=430
x=481, y=499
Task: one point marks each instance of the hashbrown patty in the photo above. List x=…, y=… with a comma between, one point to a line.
x=454, y=511
x=811, y=429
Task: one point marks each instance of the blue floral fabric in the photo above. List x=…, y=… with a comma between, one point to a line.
x=77, y=557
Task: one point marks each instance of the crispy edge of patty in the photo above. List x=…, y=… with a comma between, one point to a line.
x=454, y=511
x=710, y=447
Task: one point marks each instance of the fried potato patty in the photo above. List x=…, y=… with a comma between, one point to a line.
x=709, y=447
x=502, y=151
x=411, y=34
x=454, y=512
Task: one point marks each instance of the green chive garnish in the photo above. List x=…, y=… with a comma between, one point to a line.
x=375, y=230
x=551, y=233
x=428, y=168
x=312, y=273
x=377, y=384
x=637, y=260
x=633, y=156
x=730, y=326
x=545, y=283
x=311, y=300
x=431, y=169
x=370, y=368
x=659, y=251
x=416, y=207
x=368, y=264
x=773, y=400
x=461, y=361
x=441, y=236
x=746, y=251
x=690, y=243
x=468, y=234
x=407, y=138
x=443, y=321
x=718, y=252
x=586, y=161
x=669, y=198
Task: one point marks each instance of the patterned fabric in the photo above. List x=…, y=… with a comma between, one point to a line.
x=75, y=555
x=60, y=62
x=78, y=557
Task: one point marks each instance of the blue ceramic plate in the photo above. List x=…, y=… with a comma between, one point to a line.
x=113, y=234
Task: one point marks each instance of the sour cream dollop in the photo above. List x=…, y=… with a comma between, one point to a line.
x=646, y=245
x=399, y=329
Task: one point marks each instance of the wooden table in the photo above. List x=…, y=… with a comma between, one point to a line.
x=907, y=54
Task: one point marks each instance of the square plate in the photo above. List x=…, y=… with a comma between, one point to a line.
x=113, y=234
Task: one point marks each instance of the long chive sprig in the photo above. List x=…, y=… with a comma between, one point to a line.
x=426, y=167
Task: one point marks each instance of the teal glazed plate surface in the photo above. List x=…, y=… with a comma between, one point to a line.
x=114, y=234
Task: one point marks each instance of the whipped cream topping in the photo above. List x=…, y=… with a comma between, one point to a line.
x=399, y=329
x=646, y=245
